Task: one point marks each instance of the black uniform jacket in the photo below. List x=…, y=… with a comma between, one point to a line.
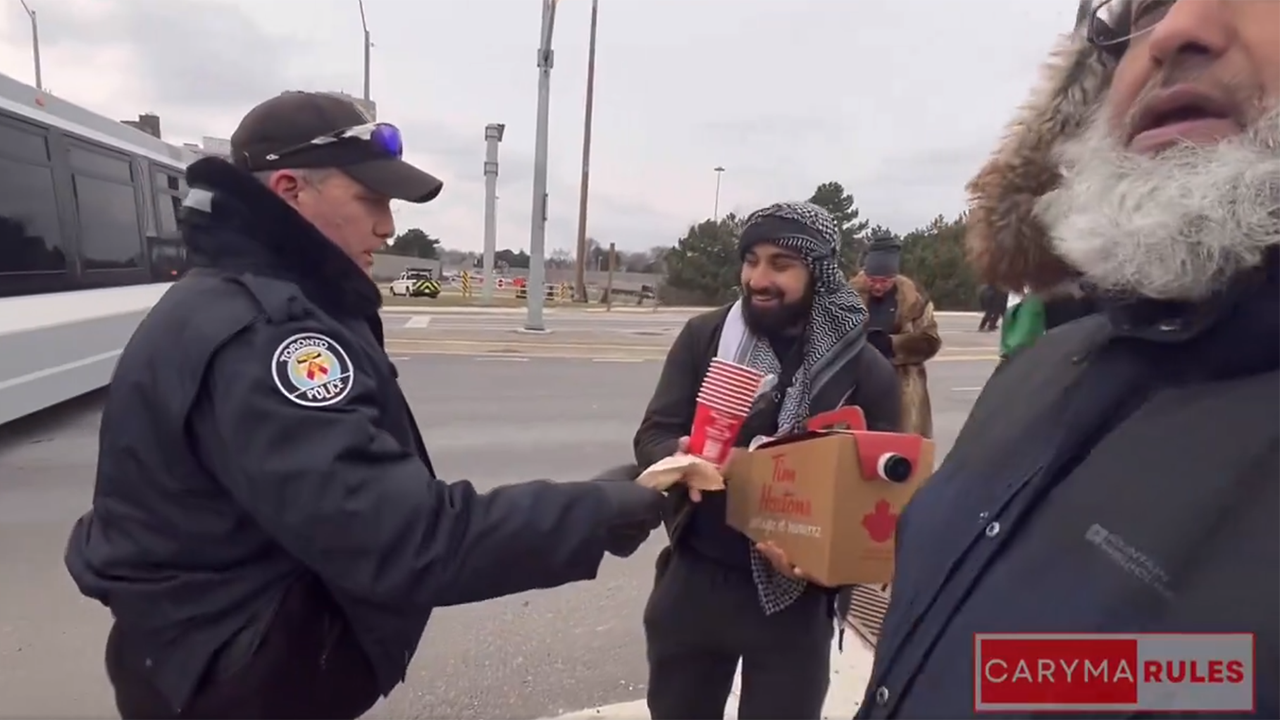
x=869, y=382
x=1120, y=475
x=255, y=436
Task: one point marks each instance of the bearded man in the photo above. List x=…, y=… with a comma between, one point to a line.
x=1120, y=474
x=717, y=599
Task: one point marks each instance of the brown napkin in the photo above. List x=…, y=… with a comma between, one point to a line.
x=693, y=471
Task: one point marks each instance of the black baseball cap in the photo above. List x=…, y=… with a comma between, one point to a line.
x=283, y=133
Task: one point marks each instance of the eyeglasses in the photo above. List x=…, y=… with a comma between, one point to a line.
x=385, y=137
x=1114, y=23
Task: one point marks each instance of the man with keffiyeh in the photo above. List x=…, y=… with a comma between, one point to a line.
x=716, y=598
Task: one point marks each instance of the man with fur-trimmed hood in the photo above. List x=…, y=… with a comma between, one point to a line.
x=901, y=326
x=1120, y=474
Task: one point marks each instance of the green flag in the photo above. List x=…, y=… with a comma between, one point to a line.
x=1023, y=324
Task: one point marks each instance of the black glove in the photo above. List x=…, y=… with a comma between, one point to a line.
x=637, y=511
x=879, y=340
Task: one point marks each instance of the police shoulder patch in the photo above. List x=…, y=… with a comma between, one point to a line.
x=312, y=370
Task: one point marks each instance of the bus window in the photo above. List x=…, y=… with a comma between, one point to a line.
x=110, y=238
x=30, y=235
x=107, y=206
x=30, y=241
x=168, y=206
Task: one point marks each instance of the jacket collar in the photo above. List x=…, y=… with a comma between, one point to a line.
x=1232, y=333
x=247, y=228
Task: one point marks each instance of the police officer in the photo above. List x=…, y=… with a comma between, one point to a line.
x=267, y=528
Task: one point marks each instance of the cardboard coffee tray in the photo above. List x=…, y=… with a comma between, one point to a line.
x=829, y=498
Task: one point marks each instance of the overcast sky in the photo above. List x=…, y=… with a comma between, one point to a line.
x=900, y=100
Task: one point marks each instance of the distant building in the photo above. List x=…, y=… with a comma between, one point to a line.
x=148, y=123
x=215, y=145
x=211, y=147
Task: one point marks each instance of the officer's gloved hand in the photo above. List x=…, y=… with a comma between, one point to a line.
x=636, y=510
x=621, y=473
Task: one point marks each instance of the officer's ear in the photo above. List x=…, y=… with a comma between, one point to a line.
x=287, y=184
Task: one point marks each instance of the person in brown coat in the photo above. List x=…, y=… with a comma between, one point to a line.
x=901, y=326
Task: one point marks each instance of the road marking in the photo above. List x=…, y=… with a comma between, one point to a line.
x=532, y=347
x=522, y=344
x=399, y=357
x=850, y=672
x=530, y=350
x=472, y=354
x=966, y=389
x=486, y=358
x=418, y=321
x=633, y=710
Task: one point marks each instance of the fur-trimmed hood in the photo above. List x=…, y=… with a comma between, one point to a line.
x=242, y=226
x=1007, y=245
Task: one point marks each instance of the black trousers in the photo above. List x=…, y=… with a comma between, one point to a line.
x=702, y=618
x=308, y=665
x=990, y=319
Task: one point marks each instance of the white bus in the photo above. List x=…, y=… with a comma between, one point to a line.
x=88, y=242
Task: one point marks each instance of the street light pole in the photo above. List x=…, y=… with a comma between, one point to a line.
x=715, y=213
x=492, y=136
x=35, y=44
x=368, y=46
x=580, y=275
x=538, y=231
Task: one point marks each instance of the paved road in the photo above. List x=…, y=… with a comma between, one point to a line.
x=617, y=336
x=494, y=421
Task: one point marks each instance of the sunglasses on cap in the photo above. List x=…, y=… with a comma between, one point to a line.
x=383, y=136
x=1113, y=23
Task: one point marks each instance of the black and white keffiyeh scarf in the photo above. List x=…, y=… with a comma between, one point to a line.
x=835, y=331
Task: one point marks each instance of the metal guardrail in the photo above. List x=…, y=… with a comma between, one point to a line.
x=506, y=288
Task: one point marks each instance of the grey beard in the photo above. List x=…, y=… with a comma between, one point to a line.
x=1176, y=226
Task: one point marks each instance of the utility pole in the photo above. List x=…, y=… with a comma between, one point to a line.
x=35, y=44
x=368, y=47
x=538, y=231
x=492, y=136
x=580, y=275
x=715, y=213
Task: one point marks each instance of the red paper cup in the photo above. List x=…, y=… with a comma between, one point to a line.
x=715, y=398
x=719, y=373
x=725, y=369
x=714, y=373
x=733, y=383
x=734, y=389
x=725, y=405
x=714, y=431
